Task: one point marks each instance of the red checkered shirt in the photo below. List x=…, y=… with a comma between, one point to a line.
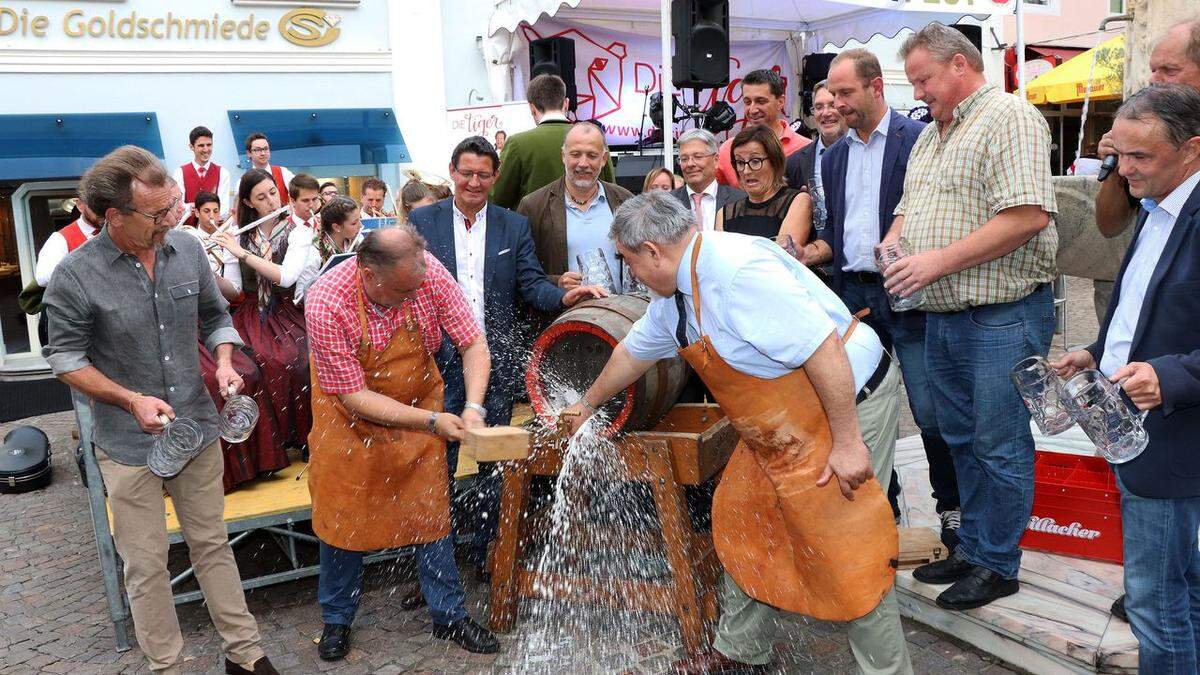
x=335, y=333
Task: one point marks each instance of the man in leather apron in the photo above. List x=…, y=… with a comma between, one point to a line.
x=378, y=471
x=800, y=522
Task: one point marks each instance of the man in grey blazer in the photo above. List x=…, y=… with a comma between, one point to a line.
x=702, y=195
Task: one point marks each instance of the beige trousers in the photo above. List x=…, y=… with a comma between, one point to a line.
x=135, y=497
x=746, y=630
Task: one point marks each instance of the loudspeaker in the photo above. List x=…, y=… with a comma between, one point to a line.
x=813, y=69
x=973, y=33
x=554, y=56
x=630, y=170
x=701, y=32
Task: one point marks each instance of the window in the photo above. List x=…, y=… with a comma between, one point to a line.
x=1116, y=6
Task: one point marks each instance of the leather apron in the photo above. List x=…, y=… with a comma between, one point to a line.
x=785, y=541
x=375, y=486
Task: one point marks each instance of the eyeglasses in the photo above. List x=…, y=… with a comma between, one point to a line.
x=697, y=158
x=260, y=150
x=472, y=175
x=754, y=163
x=162, y=216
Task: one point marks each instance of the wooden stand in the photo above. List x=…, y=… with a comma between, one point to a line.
x=689, y=446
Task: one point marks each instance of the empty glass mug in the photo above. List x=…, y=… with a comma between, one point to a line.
x=885, y=255
x=1041, y=389
x=1097, y=405
x=593, y=267
x=238, y=418
x=177, y=444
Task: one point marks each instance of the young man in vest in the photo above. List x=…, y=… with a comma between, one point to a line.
x=258, y=149
x=60, y=243
x=374, y=191
x=201, y=174
x=305, y=194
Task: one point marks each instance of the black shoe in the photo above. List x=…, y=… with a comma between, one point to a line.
x=951, y=520
x=335, y=642
x=1118, y=609
x=469, y=635
x=260, y=667
x=483, y=575
x=943, y=571
x=977, y=589
x=414, y=599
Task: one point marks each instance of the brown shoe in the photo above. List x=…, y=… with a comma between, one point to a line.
x=713, y=662
x=261, y=667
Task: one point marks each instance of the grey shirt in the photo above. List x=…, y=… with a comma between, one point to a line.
x=105, y=311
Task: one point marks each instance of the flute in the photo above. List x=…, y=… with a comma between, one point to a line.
x=187, y=211
x=246, y=228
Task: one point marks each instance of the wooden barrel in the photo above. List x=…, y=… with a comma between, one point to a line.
x=569, y=355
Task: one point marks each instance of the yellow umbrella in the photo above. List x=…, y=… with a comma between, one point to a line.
x=1068, y=82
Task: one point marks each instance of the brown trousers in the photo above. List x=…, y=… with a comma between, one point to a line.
x=135, y=497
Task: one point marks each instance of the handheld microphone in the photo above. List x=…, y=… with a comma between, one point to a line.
x=1106, y=167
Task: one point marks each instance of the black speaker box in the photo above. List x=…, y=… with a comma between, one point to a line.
x=701, y=32
x=973, y=33
x=813, y=69
x=554, y=56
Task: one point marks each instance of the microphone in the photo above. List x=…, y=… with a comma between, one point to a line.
x=1106, y=167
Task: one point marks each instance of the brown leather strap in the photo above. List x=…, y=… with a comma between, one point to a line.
x=696, y=283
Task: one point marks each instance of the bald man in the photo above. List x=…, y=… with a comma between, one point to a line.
x=1175, y=60
x=572, y=215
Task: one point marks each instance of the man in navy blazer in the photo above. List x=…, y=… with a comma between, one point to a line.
x=490, y=252
x=863, y=178
x=1149, y=342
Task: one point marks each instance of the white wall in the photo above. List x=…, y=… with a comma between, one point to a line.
x=465, y=74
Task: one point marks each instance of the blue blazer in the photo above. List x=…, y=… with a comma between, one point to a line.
x=902, y=134
x=511, y=270
x=1168, y=338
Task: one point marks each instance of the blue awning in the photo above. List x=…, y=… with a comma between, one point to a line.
x=64, y=146
x=324, y=137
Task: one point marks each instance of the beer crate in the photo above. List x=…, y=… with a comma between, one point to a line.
x=1076, y=508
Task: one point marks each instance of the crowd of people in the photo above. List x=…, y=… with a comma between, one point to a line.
x=375, y=353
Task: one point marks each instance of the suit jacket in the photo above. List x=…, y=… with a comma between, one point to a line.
x=902, y=134
x=510, y=271
x=725, y=195
x=532, y=159
x=546, y=210
x=1168, y=338
x=799, y=169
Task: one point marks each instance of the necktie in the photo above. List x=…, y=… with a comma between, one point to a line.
x=467, y=223
x=696, y=210
x=681, y=328
x=201, y=171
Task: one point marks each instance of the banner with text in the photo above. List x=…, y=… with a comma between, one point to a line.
x=615, y=72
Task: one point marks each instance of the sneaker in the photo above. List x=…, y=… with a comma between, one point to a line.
x=951, y=520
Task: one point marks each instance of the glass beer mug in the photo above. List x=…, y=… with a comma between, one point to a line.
x=1097, y=405
x=885, y=255
x=593, y=267
x=238, y=418
x=177, y=444
x=1041, y=389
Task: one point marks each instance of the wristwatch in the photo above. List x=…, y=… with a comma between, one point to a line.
x=432, y=423
x=477, y=408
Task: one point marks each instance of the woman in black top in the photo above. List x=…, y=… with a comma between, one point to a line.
x=771, y=208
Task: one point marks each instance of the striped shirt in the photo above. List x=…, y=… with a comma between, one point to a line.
x=994, y=155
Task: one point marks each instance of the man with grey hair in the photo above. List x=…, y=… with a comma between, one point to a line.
x=977, y=208
x=1148, y=345
x=703, y=194
x=125, y=312
x=815, y=399
x=1175, y=59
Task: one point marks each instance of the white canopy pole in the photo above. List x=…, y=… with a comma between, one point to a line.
x=667, y=90
x=1021, y=48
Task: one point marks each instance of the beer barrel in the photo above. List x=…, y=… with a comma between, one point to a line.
x=569, y=355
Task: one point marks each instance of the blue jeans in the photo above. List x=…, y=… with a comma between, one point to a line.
x=339, y=589
x=904, y=333
x=1162, y=581
x=981, y=416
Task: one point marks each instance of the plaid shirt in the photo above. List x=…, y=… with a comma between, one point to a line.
x=335, y=333
x=994, y=155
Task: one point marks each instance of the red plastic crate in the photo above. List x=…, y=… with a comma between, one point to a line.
x=1076, y=508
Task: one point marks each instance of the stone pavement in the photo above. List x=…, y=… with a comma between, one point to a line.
x=53, y=615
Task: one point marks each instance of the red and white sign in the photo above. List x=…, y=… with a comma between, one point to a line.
x=615, y=73
x=486, y=120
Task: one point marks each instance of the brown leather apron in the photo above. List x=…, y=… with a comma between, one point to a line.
x=785, y=541
x=373, y=486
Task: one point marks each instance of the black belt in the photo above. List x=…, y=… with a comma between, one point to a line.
x=866, y=277
x=876, y=378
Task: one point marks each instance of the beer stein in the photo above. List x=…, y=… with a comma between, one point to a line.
x=1041, y=389
x=593, y=267
x=885, y=255
x=238, y=418
x=177, y=444
x=1097, y=405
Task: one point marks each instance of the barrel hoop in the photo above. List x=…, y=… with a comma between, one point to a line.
x=533, y=386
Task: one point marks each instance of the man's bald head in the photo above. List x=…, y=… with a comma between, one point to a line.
x=1176, y=57
x=392, y=262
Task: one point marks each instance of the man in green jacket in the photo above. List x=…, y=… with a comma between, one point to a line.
x=533, y=158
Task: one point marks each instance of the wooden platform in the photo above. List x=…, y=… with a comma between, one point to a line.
x=1058, y=623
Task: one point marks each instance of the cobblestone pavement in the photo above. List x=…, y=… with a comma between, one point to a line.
x=53, y=614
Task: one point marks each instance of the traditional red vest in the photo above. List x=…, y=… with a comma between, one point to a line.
x=74, y=235
x=193, y=184
x=280, y=185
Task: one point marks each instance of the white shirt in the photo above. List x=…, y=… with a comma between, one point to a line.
x=864, y=176
x=222, y=262
x=764, y=311
x=708, y=205
x=312, y=268
x=222, y=192
x=588, y=231
x=300, y=240
x=468, y=258
x=1147, y=250
x=54, y=250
